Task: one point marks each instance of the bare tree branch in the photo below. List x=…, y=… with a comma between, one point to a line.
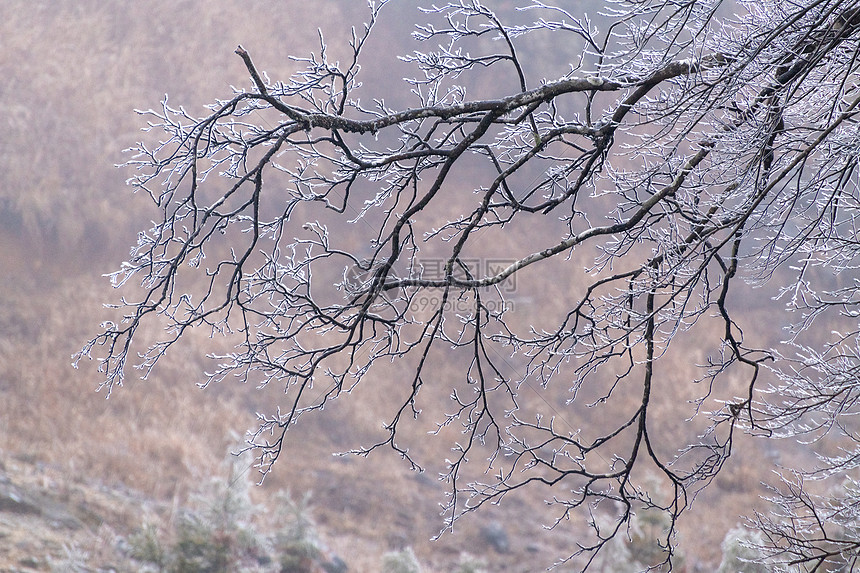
x=678, y=153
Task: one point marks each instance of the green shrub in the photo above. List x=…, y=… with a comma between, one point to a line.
x=297, y=542
x=740, y=554
x=217, y=534
x=146, y=547
x=400, y=562
x=469, y=564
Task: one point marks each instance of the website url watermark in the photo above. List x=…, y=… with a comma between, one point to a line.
x=423, y=303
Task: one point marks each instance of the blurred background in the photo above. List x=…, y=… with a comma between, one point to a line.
x=94, y=483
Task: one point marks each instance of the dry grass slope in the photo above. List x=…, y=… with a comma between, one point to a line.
x=79, y=471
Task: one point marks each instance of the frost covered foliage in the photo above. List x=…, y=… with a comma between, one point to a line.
x=742, y=553
x=403, y=561
x=215, y=534
x=820, y=532
x=646, y=545
x=628, y=172
x=297, y=543
x=219, y=533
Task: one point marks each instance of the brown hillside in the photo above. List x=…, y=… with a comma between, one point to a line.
x=79, y=473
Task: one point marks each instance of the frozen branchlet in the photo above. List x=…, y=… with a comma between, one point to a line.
x=672, y=152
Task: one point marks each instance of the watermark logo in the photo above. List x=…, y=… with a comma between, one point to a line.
x=474, y=268
x=358, y=279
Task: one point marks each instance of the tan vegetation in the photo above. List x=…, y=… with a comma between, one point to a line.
x=73, y=73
